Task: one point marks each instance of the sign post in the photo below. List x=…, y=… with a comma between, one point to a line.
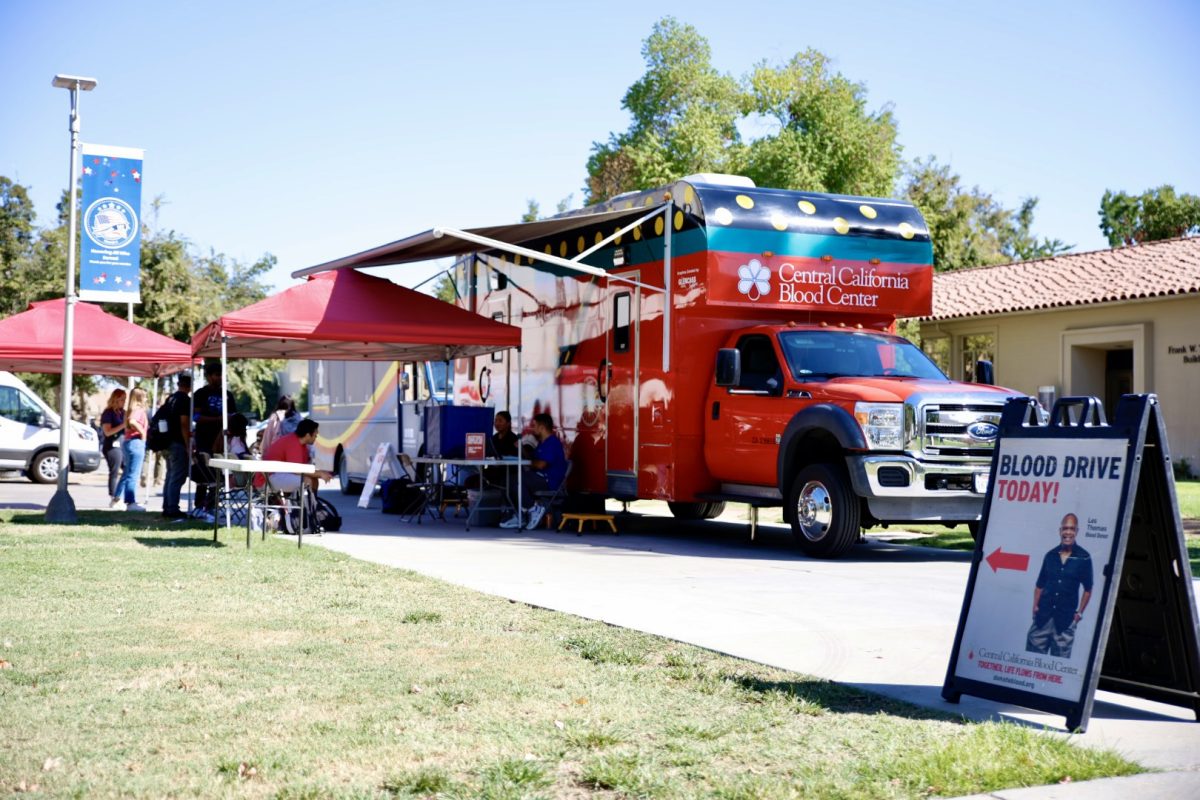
x=1080, y=576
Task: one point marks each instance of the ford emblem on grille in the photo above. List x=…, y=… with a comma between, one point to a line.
x=983, y=431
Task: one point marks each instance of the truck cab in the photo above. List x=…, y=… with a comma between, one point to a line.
x=847, y=427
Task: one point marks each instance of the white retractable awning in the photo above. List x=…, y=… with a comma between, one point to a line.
x=444, y=242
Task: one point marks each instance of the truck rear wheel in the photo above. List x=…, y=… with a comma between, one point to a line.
x=692, y=511
x=348, y=486
x=824, y=513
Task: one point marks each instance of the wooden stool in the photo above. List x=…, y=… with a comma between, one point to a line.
x=579, y=519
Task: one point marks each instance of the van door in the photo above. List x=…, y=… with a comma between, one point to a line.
x=20, y=428
x=619, y=381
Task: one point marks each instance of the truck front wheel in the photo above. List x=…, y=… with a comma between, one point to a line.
x=825, y=514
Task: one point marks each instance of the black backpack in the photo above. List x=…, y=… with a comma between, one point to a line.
x=319, y=517
x=158, y=440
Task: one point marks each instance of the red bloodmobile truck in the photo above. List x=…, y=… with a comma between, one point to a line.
x=712, y=341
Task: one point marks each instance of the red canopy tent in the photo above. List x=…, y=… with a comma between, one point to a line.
x=32, y=341
x=349, y=315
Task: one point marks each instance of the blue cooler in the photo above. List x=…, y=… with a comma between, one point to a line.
x=446, y=428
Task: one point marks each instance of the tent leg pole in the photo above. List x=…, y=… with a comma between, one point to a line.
x=225, y=423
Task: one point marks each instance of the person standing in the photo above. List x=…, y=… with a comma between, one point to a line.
x=136, y=425
x=1065, y=570
x=209, y=405
x=112, y=426
x=179, y=435
x=283, y=409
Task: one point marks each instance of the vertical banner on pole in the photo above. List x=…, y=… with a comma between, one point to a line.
x=112, y=229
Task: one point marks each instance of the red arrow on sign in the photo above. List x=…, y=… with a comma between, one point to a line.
x=999, y=560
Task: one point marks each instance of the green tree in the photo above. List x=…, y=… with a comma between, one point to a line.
x=968, y=226
x=17, y=238
x=685, y=116
x=1155, y=214
x=828, y=140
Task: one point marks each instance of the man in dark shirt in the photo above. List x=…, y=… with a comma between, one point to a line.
x=179, y=432
x=208, y=402
x=1057, y=604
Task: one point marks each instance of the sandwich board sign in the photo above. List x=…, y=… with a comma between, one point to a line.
x=1080, y=577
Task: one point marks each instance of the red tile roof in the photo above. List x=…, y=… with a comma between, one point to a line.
x=1155, y=269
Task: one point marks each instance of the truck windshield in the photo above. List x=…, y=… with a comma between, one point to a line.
x=839, y=354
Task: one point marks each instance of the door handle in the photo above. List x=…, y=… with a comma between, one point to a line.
x=603, y=376
x=716, y=411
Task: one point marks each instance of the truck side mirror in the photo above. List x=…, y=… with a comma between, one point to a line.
x=984, y=372
x=729, y=366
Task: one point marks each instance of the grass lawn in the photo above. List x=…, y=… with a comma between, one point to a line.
x=138, y=660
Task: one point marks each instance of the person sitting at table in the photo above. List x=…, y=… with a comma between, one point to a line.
x=546, y=471
x=293, y=448
x=503, y=442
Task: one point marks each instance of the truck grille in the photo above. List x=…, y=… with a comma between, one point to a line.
x=944, y=431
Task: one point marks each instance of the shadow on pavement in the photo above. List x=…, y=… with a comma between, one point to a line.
x=642, y=534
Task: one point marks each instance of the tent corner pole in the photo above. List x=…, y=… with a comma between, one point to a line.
x=225, y=423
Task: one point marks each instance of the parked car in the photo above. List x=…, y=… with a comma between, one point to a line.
x=29, y=435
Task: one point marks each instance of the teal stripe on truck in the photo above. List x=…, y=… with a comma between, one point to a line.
x=810, y=245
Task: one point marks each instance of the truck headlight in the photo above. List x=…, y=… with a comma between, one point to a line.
x=882, y=424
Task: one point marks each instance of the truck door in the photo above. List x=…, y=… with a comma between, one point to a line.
x=620, y=379
x=743, y=431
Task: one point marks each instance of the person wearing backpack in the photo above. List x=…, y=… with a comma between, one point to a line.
x=208, y=409
x=175, y=414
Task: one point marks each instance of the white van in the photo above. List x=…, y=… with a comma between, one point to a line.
x=29, y=435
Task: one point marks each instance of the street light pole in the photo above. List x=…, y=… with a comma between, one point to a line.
x=62, y=508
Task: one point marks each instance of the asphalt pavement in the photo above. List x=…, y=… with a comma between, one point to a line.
x=882, y=619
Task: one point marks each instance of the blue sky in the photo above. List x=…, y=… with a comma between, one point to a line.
x=311, y=130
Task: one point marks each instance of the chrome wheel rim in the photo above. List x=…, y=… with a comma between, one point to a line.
x=814, y=511
x=48, y=468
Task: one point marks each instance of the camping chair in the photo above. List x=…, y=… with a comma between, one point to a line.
x=428, y=493
x=554, y=499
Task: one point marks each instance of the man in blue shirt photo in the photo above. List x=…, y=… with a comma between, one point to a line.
x=1057, y=604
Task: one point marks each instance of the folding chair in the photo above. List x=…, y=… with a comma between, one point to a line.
x=553, y=500
x=428, y=502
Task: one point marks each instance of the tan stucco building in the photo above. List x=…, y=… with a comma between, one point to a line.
x=1102, y=323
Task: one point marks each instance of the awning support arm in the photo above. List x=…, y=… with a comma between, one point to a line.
x=496, y=244
x=621, y=232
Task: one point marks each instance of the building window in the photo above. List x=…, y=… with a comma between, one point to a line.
x=938, y=350
x=974, y=347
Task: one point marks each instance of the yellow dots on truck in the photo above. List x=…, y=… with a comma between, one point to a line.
x=906, y=230
x=745, y=201
x=723, y=216
x=867, y=212
x=807, y=207
x=840, y=225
